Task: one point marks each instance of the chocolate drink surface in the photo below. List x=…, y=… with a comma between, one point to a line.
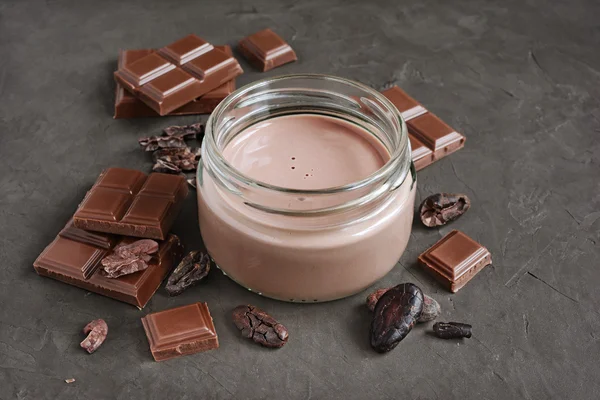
x=394, y=316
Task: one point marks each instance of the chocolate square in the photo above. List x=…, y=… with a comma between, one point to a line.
x=455, y=259
x=266, y=50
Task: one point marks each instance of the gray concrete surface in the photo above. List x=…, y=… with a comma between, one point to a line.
x=521, y=79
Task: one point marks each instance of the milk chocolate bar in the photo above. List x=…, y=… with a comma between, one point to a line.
x=430, y=138
x=180, y=331
x=129, y=106
x=455, y=259
x=75, y=256
x=177, y=74
x=265, y=50
x=131, y=203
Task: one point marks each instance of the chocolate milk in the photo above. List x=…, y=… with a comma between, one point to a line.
x=305, y=258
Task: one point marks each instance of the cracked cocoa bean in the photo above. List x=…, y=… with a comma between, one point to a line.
x=452, y=330
x=441, y=208
x=395, y=314
x=191, y=270
x=259, y=326
x=96, y=332
x=172, y=137
x=128, y=258
x=173, y=161
x=431, y=308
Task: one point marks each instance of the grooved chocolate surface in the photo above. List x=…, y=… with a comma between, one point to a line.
x=177, y=74
x=266, y=50
x=180, y=331
x=129, y=106
x=455, y=259
x=129, y=202
x=430, y=138
x=74, y=257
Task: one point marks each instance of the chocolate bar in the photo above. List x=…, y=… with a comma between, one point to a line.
x=129, y=106
x=266, y=50
x=455, y=259
x=131, y=203
x=177, y=74
x=430, y=138
x=180, y=331
x=75, y=256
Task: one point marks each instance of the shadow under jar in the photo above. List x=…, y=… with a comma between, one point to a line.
x=306, y=187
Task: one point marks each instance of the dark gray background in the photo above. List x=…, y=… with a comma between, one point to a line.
x=521, y=79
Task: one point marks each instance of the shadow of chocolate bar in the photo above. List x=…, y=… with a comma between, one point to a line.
x=131, y=203
x=75, y=256
x=180, y=331
x=178, y=74
x=129, y=106
x=430, y=137
x=455, y=259
x=266, y=50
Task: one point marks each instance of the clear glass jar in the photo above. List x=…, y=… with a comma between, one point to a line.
x=275, y=240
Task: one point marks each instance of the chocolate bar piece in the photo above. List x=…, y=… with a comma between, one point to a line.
x=177, y=74
x=430, y=138
x=180, y=331
x=74, y=257
x=129, y=202
x=455, y=259
x=129, y=106
x=266, y=50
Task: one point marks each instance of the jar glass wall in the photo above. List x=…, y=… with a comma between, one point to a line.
x=306, y=244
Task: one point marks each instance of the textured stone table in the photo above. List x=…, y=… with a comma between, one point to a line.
x=520, y=79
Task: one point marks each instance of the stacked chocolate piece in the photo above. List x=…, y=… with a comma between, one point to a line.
x=118, y=243
x=189, y=76
x=430, y=137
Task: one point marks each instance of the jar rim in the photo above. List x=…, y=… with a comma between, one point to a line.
x=387, y=169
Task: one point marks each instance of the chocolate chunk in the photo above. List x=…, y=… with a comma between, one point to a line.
x=191, y=270
x=394, y=316
x=431, y=308
x=455, y=259
x=129, y=202
x=129, y=106
x=180, y=331
x=177, y=74
x=266, y=50
x=259, y=326
x=441, y=208
x=96, y=331
x=452, y=330
x=75, y=255
x=193, y=131
x=128, y=258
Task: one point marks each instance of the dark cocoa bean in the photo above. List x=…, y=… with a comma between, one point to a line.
x=172, y=137
x=191, y=270
x=394, y=316
x=452, y=330
x=441, y=208
x=259, y=326
x=431, y=308
x=96, y=332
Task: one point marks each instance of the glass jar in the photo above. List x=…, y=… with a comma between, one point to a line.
x=276, y=241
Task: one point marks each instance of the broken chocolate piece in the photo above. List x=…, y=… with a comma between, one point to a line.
x=431, y=308
x=259, y=326
x=452, y=330
x=441, y=208
x=455, y=259
x=266, y=50
x=173, y=137
x=394, y=316
x=191, y=270
x=180, y=331
x=96, y=331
